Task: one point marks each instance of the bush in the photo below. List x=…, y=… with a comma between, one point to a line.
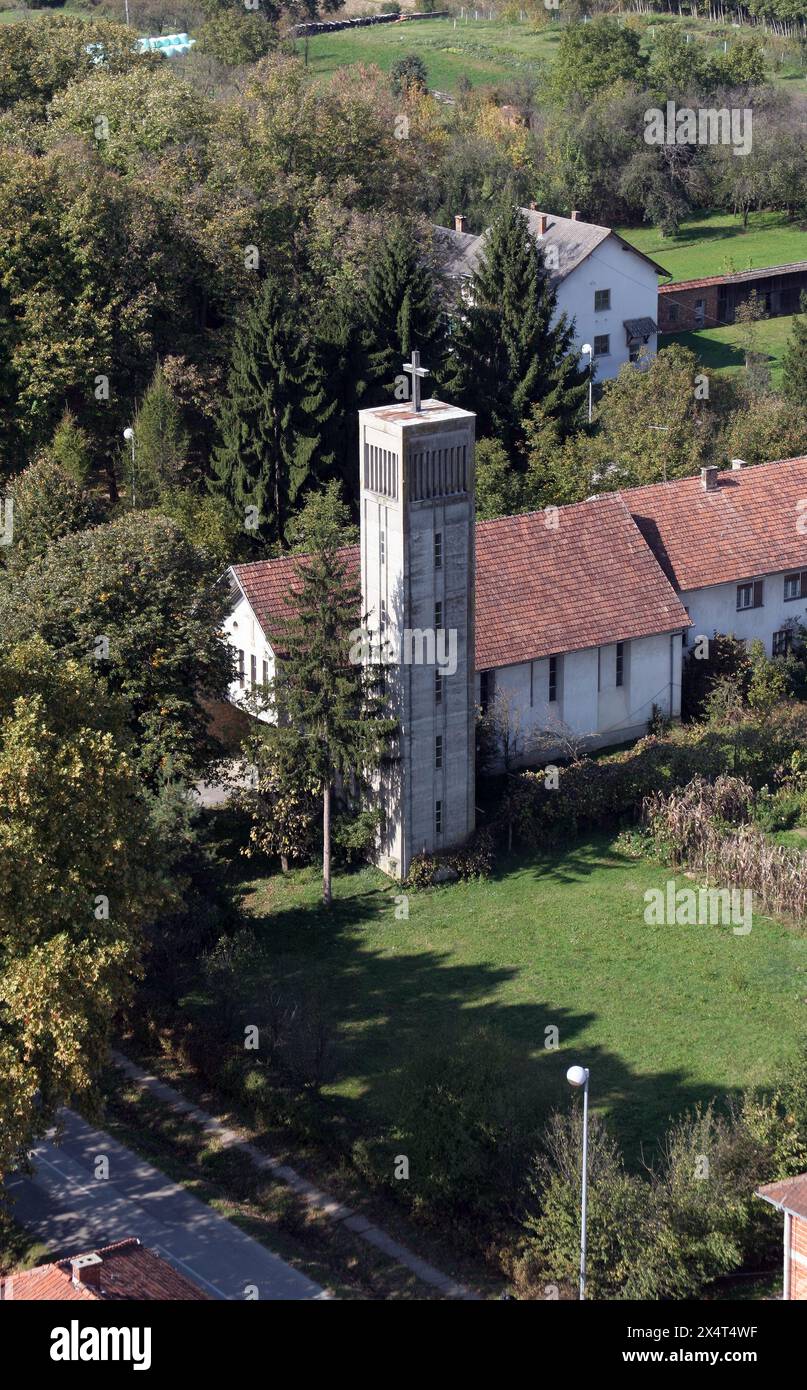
x=474, y=860
x=460, y=1109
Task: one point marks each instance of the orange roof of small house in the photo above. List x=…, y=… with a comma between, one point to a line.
x=790, y=1194
x=124, y=1270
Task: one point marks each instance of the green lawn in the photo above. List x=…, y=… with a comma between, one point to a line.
x=664, y=1016
x=716, y=244
x=721, y=349
x=484, y=51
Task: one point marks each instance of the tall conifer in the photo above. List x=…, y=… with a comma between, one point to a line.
x=272, y=421
x=402, y=311
x=507, y=355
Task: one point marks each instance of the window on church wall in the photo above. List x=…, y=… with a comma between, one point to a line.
x=240, y=668
x=553, y=679
x=382, y=547
x=438, y=617
x=438, y=817
x=438, y=687
x=438, y=550
x=265, y=671
x=487, y=686
x=438, y=751
x=253, y=670
x=383, y=619
x=620, y=663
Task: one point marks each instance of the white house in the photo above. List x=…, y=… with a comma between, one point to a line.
x=575, y=615
x=607, y=287
x=734, y=544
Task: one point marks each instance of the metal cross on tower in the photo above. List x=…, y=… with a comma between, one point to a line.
x=416, y=371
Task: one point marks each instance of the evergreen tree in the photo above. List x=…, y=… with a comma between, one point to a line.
x=331, y=728
x=272, y=422
x=70, y=449
x=794, y=362
x=344, y=357
x=161, y=441
x=508, y=357
x=402, y=312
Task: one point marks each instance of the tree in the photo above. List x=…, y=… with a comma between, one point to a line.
x=402, y=311
x=408, y=74
x=141, y=604
x=508, y=356
x=650, y=421
x=48, y=504
x=272, y=421
x=794, y=362
x=79, y=878
x=236, y=38
x=160, y=441
x=594, y=56
x=70, y=448
x=331, y=723
x=771, y=428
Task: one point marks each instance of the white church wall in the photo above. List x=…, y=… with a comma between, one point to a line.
x=714, y=609
x=634, y=295
x=243, y=632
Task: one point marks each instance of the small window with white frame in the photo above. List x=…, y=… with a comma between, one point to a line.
x=795, y=585
x=750, y=595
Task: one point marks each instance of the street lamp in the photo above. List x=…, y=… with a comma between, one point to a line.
x=128, y=433
x=578, y=1076
x=587, y=349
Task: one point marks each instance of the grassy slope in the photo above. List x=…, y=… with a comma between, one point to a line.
x=721, y=349
x=717, y=245
x=487, y=51
x=664, y=1016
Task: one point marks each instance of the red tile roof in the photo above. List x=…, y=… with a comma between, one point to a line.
x=744, y=527
x=540, y=588
x=127, y=1271
x=586, y=583
x=790, y=1194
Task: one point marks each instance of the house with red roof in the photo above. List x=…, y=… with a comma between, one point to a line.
x=574, y=619
x=790, y=1198
x=125, y=1270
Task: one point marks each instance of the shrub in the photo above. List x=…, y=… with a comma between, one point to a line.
x=474, y=860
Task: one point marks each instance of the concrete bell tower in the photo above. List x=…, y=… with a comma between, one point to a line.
x=417, y=578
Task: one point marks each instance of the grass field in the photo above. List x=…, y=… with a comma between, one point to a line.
x=488, y=51
x=717, y=244
x=664, y=1016
x=721, y=349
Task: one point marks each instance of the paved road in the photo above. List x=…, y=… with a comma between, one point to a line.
x=72, y=1210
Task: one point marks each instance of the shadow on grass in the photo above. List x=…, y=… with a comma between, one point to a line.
x=386, y=1002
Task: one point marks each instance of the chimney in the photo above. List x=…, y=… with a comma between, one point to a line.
x=542, y=223
x=709, y=479
x=737, y=464
x=575, y=216
x=86, y=1269
x=460, y=223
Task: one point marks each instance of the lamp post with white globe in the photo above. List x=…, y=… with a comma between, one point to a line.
x=586, y=348
x=578, y=1076
x=128, y=435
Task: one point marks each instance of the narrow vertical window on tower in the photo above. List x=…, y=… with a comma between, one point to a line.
x=438, y=550
x=438, y=687
x=438, y=817
x=438, y=617
x=382, y=547
x=438, y=751
x=383, y=619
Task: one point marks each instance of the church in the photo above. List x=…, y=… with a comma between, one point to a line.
x=576, y=618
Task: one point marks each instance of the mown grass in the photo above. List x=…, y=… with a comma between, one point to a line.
x=723, y=349
x=664, y=1016
x=717, y=244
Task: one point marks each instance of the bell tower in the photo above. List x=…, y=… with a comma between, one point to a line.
x=417, y=578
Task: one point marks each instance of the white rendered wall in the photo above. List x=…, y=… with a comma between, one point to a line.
x=714, y=609
x=243, y=632
x=634, y=295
